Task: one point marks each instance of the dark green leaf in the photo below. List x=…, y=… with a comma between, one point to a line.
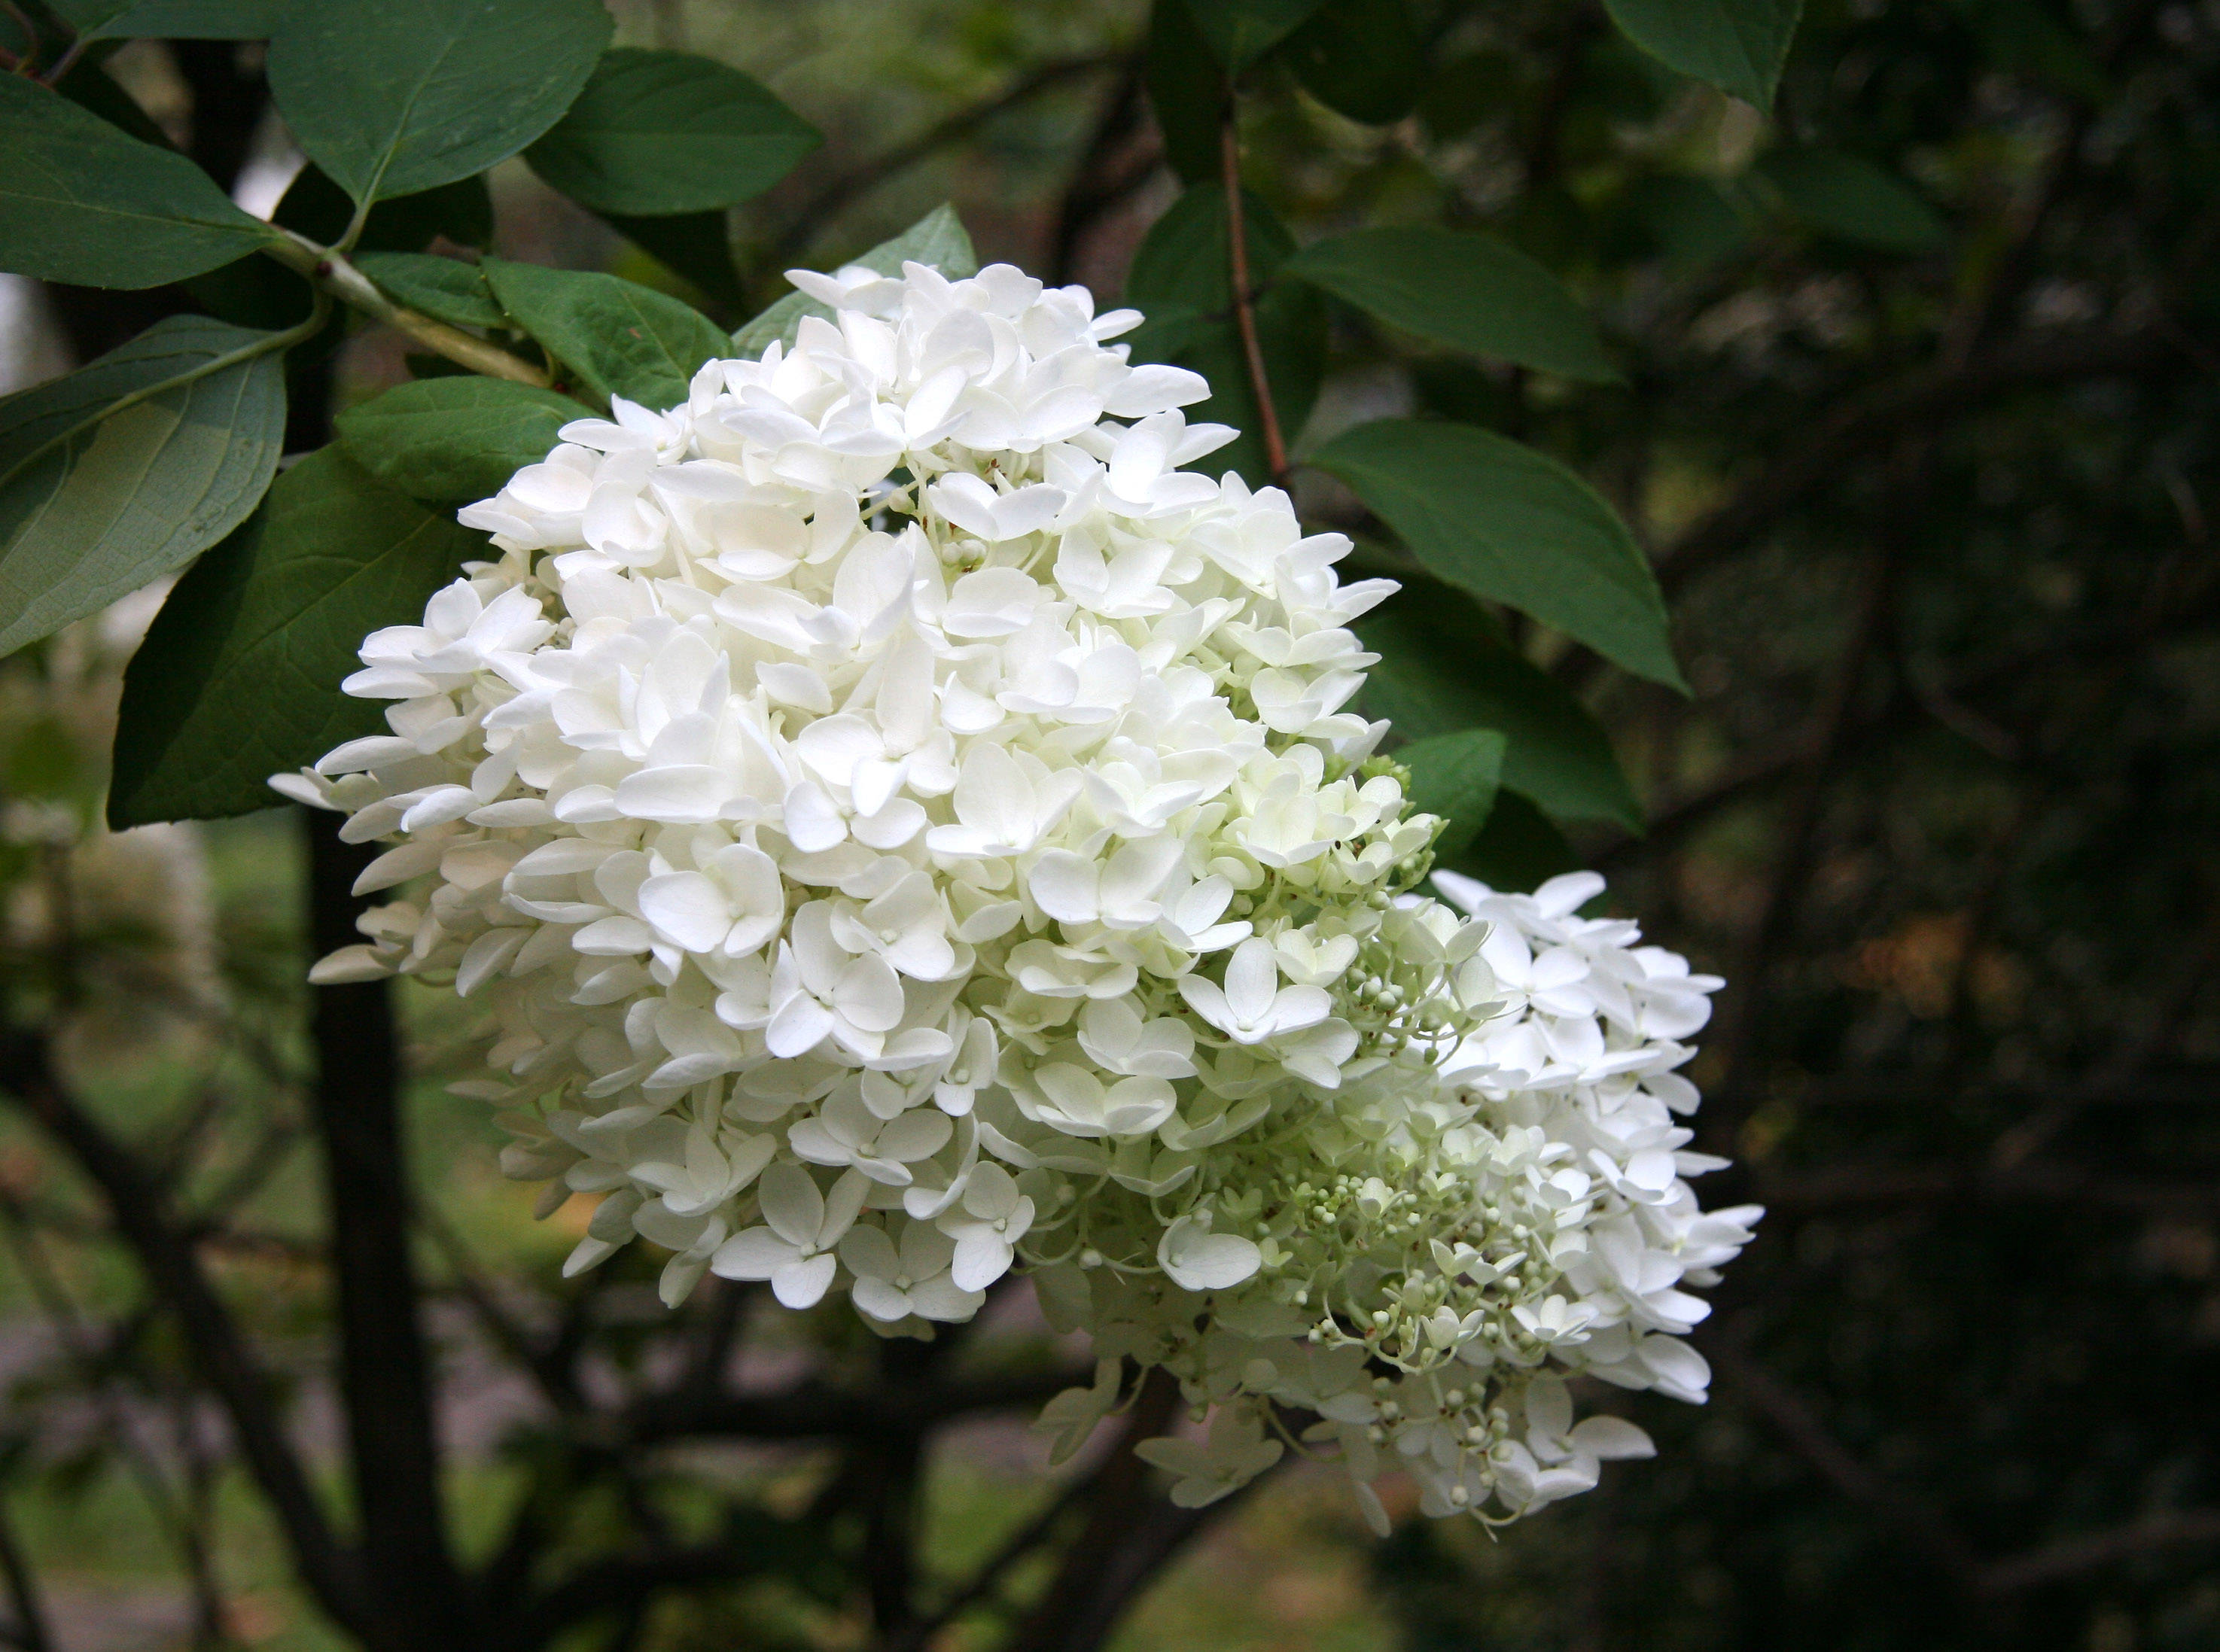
x=98, y=497
x=239, y=676
x=1362, y=59
x=1513, y=526
x=1186, y=91
x=616, y=336
x=655, y=133
x=1737, y=46
x=173, y=20
x=1456, y=776
x=452, y=441
x=1181, y=279
x=1468, y=292
x=1519, y=848
x=82, y=203
x=406, y=95
x=1689, y=221
x=697, y=247
x=1241, y=31
x=448, y=289
x=937, y=238
x=1852, y=200
x=1445, y=666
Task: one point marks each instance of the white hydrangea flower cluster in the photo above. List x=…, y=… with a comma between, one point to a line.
x=905, y=827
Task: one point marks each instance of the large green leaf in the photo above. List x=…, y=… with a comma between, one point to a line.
x=937, y=238
x=1445, y=666
x=1241, y=31
x=1852, y=200
x=125, y=469
x=1456, y=776
x=451, y=441
x=1362, y=59
x=616, y=336
x=80, y=202
x=448, y=289
x=400, y=96
x=1468, y=292
x=1737, y=46
x=239, y=676
x=1187, y=91
x=663, y=132
x=173, y=20
x=1182, y=278
x=1513, y=526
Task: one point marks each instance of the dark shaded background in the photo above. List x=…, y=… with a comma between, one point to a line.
x=1931, y=501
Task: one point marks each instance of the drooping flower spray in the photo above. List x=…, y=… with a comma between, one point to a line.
x=904, y=826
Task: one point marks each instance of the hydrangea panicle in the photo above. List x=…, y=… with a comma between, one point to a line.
x=904, y=826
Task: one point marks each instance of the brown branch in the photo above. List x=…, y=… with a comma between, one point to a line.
x=2070, y=1557
x=987, y=1579
x=1122, y=153
x=384, y=1366
x=1118, y=1494
x=30, y=1628
x=1877, y=416
x=1923, y=1531
x=1886, y=1185
x=816, y=1410
x=1245, y=301
x=788, y=247
x=1742, y=1012
x=226, y=1363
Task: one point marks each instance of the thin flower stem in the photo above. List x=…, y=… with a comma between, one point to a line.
x=1244, y=307
x=332, y=273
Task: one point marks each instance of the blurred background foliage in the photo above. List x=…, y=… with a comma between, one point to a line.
x=1915, y=418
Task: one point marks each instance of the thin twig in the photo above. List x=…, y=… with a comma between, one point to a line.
x=806, y=224
x=1245, y=307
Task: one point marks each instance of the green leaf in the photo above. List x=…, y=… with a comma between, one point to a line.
x=1241, y=31
x=1737, y=46
x=1468, y=292
x=1362, y=59
x=1689, y=221
x=663, y=132
x=1187, y=91
x=1181, y=279
x=173, y=20
x=697, y=247
x=1513, y=526
x=452, y=441
x=1519, y=848
x=937, y=238
x=1446, y=666
x=406, y=95
x=618, y=336
x=82, y=203
x=1456, y=776
x=1852, y=200
x=448, y=289
x=119, y=473
x=239, y=678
